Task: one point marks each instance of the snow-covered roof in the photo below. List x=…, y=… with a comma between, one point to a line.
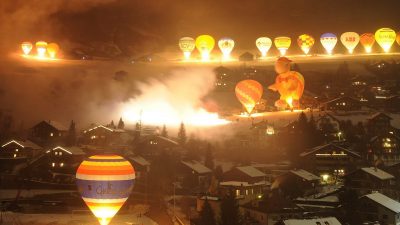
x=24, y=144
x=322, y=221
x=318, y=148
x=375, y=115
x=197, y=166
x=168, y=140
x=243, y=184
x=305, y=175
x=385, y=201
x=251, y=171
x=104, y=127
x=73, y=150
x=140, y=160
x=378, y=173
x=59, y=126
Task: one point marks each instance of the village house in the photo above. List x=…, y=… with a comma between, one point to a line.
x=49, y=133
x=141, y=165
x=297, y=182
x=152, y=145
x=101, y=136
x=194, y=175
x=14, y=152
x=379, y=123
x=330, y=161
x=384, y=148
x=379, y=207
x=370, y=179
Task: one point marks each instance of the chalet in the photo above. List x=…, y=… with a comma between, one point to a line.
x=270, y=211
x=15, y=152
x=49, y=133
x=379, y=123
x=296, y=183
x=247, y=174
x=247, y=56
x=150, y=145
x=101, y=136
x=141, y=165
x=379, y=207
x=330, y=161
x=369, y=179
x=193, y=174
x=313, y=221
x=329, y=125
x=64, y=161
x=384, y=148
x=343, y=103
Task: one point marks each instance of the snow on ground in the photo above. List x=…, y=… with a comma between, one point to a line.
x=12, y=193
x=71, y=219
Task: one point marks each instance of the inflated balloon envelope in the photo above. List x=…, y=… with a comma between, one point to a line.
x=105, y=183
x=249, y=93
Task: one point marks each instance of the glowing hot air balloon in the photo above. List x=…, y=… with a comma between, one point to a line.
x=282, y=44
x=226, y=46
x=367, y=40
x=26, y=47
x=205, y=44
x=350, y=40
x=263, y=44
x=41, y=48
x=398, y=38
x=53, y=49
x=105, y=183
x=328, y=40
x=187, y=45
x=305, y=42
x=385, y=38
x=249, y=93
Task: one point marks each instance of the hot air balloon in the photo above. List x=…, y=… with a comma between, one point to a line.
x=187, y=45
x=205, y=44
x=305, y=42
x=226, y=46
x=328, y=40
x=105, y=183
x=26, y=47
x=41, y=48
x=398, y=38
x=263, y=44
x=52, y=50
x=249, y=93
x=350, y=40
x=367, y=40
x=385, y=38
x=282, y=44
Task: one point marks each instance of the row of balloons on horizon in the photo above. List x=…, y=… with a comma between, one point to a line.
x=385, y=37
x=43, y=49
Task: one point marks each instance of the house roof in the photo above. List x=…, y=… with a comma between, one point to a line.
x=378, y=173
x=73, y=150
x=341, y=97
x=378, y=114
x=57, y=125
x=243, y=184
x=104, y=127
x=251, y=171
x=305, y=175
x=24, y=144
x=321, y=147
x=322, y=221
x=384, y=201
x=140, y=160
x=197, y=166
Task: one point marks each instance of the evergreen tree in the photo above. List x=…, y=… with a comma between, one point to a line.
x=218, y=172
x=121, y=124
x=164, y=131
x=230, y=214
x=111, y=125
x=182, y=134
x=209, y=159
x=71, y=136
x=207, y=216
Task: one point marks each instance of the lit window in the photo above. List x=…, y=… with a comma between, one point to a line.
x=60, y=153
x=247, y=192
x=237, y=192
x=53, y=164
x=16, y=150
x=15, y=155
x=61, y=164
x=55, y=153
x=51, y=134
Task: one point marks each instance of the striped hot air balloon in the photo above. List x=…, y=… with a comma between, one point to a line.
x=367, y=40
x=305, y=42
x=105, y=183
x=398, y=38
x=328, y=41
x=249, y=93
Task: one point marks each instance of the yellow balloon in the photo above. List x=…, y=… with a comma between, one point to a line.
x=350, y=40
x=263, y=44
x=52, y=49
x=205, y=44
x=282, y=44
x=385, y=38
x=41, y=48
x=26, y=47
x=187, y=45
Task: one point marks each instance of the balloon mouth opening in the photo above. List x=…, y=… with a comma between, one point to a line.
x=368, y=50
x=205, y=56
x=186, y=55
x=282, y=51
x=289, y=101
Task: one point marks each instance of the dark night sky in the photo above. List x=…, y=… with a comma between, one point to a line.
x=164, y=21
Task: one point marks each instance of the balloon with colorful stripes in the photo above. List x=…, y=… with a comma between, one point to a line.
x=249, y=93
x=105, y=183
